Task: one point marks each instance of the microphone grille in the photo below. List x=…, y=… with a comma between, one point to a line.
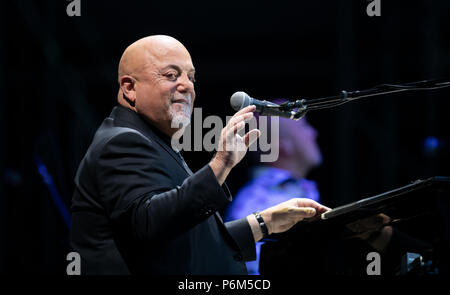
x=239, y=100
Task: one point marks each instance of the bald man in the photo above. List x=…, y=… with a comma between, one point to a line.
x=137, y=207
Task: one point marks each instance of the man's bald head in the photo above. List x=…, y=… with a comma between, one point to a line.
x=142, y=52
x=156, y=79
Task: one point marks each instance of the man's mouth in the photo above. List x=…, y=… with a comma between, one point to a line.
x=182, y=100
x=185, y=101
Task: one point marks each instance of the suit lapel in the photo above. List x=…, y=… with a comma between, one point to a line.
x=177, y=157
x=129, y=117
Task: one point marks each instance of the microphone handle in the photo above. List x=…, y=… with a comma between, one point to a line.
x=263, y=107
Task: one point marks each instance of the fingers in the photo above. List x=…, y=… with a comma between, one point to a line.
x=302, y=202
x=250, y=108
x=368, y=224
x=231, y=131
x=375, y=221
x=304, y=212
x=384, y=218
x=323, y=209
x=251, y=137
x=298, y=214
x=243, y=114
x=230, y=142
x=238, y=119
x=237, y=123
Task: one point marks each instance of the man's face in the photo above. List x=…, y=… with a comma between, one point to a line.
x=165, y=88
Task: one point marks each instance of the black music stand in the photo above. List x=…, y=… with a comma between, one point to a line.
x=420, y=214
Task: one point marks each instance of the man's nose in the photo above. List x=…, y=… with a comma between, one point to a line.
x=185, y=84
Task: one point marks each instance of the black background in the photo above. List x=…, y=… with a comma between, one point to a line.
x=58, y=80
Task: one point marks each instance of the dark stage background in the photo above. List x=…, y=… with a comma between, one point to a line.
x=58, y=81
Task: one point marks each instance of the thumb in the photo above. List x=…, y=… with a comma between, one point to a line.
x=251, y=137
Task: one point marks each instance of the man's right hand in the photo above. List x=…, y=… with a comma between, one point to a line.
x=233, y=147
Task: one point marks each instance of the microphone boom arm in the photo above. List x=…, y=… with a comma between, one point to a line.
x=300, y=107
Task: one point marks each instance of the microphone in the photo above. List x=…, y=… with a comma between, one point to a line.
x=240, y=100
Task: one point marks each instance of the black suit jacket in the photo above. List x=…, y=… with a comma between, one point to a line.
x=137, y=208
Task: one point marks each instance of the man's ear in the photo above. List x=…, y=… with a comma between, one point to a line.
x=127, y=85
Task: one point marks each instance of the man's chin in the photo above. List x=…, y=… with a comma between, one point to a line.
x=180, y=120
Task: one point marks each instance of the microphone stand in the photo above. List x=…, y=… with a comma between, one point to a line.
x=299, y=108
